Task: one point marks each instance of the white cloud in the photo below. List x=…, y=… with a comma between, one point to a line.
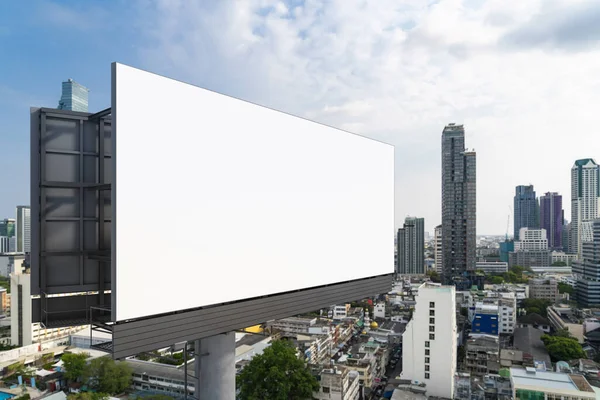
x=398, y=71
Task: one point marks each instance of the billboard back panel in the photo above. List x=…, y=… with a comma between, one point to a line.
x=218, y=200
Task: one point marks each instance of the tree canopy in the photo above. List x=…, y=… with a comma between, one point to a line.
x=105, y=375
x=434, y=276
x=88, y=396
x=563, y=348
x=276, y=374
x=74, y=365
x=538, y=306
x=564, y=288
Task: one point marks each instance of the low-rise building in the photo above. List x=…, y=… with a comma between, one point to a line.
x=562, y=317
x=561, y=256
x=529, y=383
x=492, y=267
x=535, y=321
x=528, y=340
x=543, y=289
x=293, y=324
x=483, y=355
x=160, y=379
x=530, y=258
x=485, y=320
x=338, y=383
x=340, y=312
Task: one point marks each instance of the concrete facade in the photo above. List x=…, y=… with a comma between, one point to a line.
x=429, y=343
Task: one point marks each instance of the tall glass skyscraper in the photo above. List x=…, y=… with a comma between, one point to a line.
x=458, y=206
x=74, y=97
x=551, y=219
x=585, y=201
x=23, y=229
x=526, y=209
x=411, y=246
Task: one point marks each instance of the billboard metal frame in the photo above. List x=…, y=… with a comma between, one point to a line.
x=72, y=280
x=69, y=214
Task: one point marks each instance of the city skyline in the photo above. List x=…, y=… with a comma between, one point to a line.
x=403, y=93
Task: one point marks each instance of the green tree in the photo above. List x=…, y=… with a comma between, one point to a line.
x=563, y=348
x=88, y=396
x=434, y=276
x=563, y=333
x=276, y=374
x=496, y=280
x=105, y=375
x=559, y=264
x=538, y=306
x=564, y=288
x=74, y=365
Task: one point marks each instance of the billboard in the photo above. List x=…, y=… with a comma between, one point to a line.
x=217, y=200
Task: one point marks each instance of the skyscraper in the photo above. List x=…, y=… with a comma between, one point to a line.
x=526, y=209
x=411, y=246
x=23, y=229
x=551, y=219
x=7, y=227
x=438, y=249
x=458, y=205
x=587, y=269
x=74, y=97
x=585, y=200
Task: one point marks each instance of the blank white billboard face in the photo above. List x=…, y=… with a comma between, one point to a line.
x=217, y=200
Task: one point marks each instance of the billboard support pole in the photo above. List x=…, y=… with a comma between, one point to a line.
x=215, y=367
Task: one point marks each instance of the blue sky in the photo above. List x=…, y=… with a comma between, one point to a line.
x=44, y=43
x=521, y=76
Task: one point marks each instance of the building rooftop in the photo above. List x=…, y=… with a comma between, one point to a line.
x=529, y=340
x=533, y=319
x=549, y=380
x=158, y=370
x=250, y=339
x=396, y=327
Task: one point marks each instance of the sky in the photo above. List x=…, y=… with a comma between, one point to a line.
x=521, y=76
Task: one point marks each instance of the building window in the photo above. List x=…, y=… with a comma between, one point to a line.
x=325, y=389
x=432, y=313
x=427, y=368
x=427, y=375
x=431, y=328
x=427, y=360
x=426, y=344
x=432, y=304
x=431, y=336
x=426, y=352
x=432, y=320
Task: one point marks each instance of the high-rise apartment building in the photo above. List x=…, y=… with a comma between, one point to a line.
x=74, y=97
x=587, y=270
x=23, y=229
x=429, y=343
x=458, y=205
x=585, y=201
x=437, y=237
x=526, y=210
x=411, y=246
x=566, y=237
x=7, y=227
x=551, y=218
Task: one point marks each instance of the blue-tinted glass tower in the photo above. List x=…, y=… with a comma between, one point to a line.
x=74, y=97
